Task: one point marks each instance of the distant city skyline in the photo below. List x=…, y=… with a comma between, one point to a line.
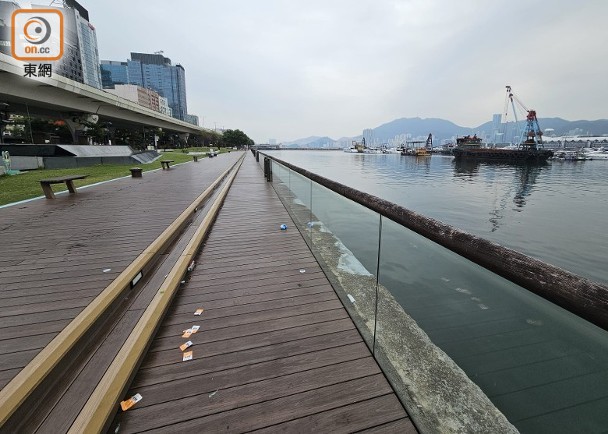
x=293, y=69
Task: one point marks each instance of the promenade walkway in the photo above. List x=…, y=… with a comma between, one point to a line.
x=275, y=350
x=57, y=255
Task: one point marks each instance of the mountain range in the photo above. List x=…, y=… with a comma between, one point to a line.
x=444, y=130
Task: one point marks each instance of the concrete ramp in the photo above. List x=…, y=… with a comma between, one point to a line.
x=145, y=157
x=28, y=157
x=97, y=151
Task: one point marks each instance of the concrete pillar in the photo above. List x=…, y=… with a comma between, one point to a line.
x=76, y=123
x=183, y=137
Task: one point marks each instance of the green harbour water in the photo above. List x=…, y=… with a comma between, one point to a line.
x=544, y=368
x=555, y=212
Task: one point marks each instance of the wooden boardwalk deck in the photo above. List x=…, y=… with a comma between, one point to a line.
x=276, y=350
x=57, y=255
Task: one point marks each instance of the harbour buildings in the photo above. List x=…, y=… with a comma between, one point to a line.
x=150, y=71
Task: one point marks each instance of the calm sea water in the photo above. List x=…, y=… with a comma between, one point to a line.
x=556, y=212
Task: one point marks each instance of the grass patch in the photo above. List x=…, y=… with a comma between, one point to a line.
x=26, y=185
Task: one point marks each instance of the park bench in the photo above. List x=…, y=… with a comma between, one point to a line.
x=165, y=164
x=69, y=181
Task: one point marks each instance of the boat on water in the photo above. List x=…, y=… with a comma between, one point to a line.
x=530, y=148
x=595, y=154
x=362, y=148
x=570, y=155
x=422, y=151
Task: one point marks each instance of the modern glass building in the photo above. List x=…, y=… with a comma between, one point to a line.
x=113, y=73
x=151, y=71
x=6, y=10
x=89, y=55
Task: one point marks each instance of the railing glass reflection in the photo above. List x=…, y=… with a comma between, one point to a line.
x=434, y=320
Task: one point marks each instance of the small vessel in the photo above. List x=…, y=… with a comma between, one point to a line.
x=530, y=148
x=595, y=154
x=362, y=148
x=569, y=155
x=422, y=151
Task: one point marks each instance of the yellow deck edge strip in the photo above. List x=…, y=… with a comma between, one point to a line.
x=22, y=385
x=103, y=402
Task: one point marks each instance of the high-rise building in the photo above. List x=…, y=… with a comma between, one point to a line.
x=144, y=97
x=89, y=55
x=163, y=106
x=6, y=11
x=192, y=119
x=80, y=61
x=113, y=73
x=152, y=71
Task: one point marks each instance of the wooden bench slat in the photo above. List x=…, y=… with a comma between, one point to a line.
x=69, y=182
x=165, y=164
x=61, y=179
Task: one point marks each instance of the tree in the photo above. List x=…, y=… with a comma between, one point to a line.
x=210, y=138
x=236, y=138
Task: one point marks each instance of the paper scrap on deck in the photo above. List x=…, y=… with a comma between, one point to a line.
x=127, y=404
x=199, y=311
x=188, y=344
x=187, y=356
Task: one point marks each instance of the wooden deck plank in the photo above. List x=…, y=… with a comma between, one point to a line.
x=54, y=268
x=252, y=344
x=262, y=412
x=275, y=344
x=401, y=426
x=248, y=329
x=250, y=373
x=347, y=419
x=231, y=356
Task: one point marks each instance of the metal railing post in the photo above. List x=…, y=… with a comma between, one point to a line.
x=268, y=169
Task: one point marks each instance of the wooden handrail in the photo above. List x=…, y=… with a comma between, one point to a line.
x=577, y=294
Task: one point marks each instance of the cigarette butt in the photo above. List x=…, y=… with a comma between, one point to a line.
x=185, y=346
x=187, y=333
x=187, y=356
x=199, y=311
x=127, y=404
x=195, y=328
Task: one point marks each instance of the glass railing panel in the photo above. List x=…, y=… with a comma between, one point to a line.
x=544, y=368
x=345, y=240
x=280, y=174
x=296, y=198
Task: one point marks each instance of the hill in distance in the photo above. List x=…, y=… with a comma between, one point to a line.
x=445, y=130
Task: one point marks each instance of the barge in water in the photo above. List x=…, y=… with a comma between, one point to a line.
x=471, y=148
x=530, y=149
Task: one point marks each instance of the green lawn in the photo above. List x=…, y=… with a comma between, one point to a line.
x=26, y=185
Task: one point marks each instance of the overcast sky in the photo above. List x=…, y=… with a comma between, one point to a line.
x=293, y=68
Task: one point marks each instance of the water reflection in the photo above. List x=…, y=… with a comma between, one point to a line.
x=525, y=176
x=528, y=175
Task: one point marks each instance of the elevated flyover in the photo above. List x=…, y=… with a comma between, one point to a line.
x=64, y=98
